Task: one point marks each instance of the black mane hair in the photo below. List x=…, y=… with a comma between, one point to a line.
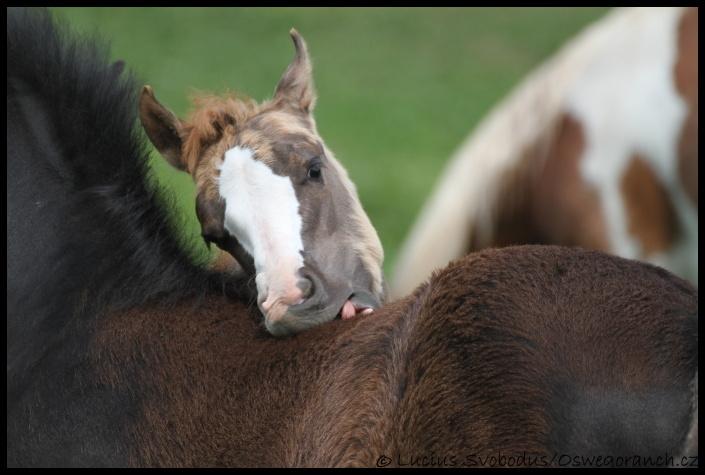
x=89, y=232
x=80, y=185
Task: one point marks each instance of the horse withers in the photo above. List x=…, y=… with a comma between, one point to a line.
x=270, y=193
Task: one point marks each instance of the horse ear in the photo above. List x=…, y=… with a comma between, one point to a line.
x=295, y=88
x=162, y=127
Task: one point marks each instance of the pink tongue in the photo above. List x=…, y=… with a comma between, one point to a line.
x=349, y=310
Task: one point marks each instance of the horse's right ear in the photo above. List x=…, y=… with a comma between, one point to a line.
x=162, y=127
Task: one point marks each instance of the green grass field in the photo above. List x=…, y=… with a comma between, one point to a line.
x=399, y=88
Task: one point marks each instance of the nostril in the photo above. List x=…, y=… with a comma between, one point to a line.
x=310, y=284
x=307, y=287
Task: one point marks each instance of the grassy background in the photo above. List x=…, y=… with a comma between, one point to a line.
x=399, y=88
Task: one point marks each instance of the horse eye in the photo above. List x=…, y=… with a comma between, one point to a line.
x=314, y=172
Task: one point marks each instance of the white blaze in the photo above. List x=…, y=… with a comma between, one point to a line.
x=262, y=212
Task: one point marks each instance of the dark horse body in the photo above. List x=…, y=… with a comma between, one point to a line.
x=122, y=351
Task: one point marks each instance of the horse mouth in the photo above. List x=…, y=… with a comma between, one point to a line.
x=316, y=309
x=358, y=304
x=350, y=310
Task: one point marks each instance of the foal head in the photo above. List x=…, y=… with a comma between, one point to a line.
x=270, y=193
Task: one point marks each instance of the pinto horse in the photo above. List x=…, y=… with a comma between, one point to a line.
x=597, y=148
x=271, y=194
x=123, y=351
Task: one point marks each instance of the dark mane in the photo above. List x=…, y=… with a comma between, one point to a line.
x=89, y=231
x=82, y=114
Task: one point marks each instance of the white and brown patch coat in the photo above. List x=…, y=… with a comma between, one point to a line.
x=596, y=148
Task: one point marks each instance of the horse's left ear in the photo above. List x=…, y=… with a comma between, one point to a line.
x=162, y=127
x=295, y=88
